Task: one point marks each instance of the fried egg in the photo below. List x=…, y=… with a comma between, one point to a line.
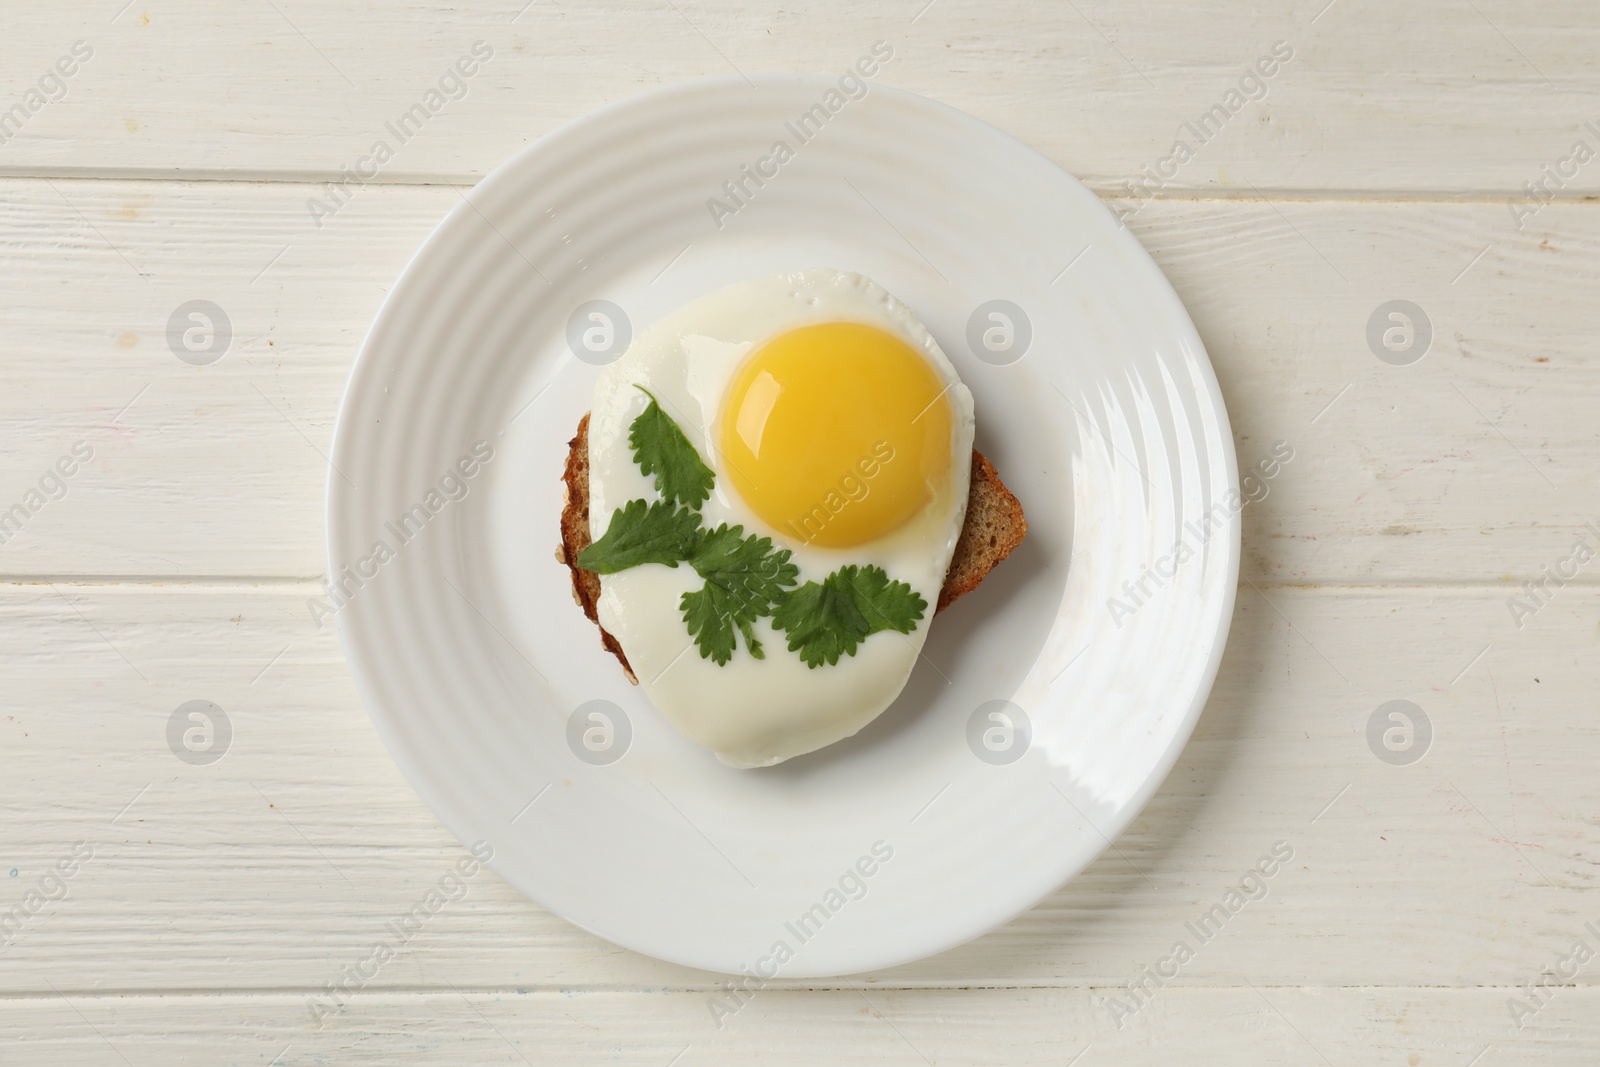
x=834, y=425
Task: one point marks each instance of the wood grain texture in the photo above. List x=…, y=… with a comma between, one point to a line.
x=1422, y=901
x=1264, y=1026
x=1425, y=98
x=278, y=866
x=1468, y=465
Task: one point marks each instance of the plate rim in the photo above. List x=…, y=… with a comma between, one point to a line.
x=364, y=366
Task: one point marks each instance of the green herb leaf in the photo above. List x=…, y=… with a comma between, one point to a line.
x=745, y=579
x=643, y=533
x=884, y=604
x=661, y=449
x=827, y=620
x=711, y=615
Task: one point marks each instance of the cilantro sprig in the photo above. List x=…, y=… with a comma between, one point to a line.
x=831, y=618
x=660, y=448
x=746, y=577
x=641, y=533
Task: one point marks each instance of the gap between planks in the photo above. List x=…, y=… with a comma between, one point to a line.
x=716, y=983
x=1105, y=187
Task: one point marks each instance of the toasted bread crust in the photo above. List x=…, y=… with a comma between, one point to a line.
x=994, y=527
x=575, y=538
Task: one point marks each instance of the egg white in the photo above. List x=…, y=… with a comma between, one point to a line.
x=750, y=712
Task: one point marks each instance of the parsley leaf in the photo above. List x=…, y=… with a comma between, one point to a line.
x=661, y=449
x=641, y=533
x=711, y=613
x=853, y=603
x=746, y=578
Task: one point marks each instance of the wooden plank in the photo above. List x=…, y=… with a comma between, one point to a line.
x=1376, y=97
x=220, y=469
x=279, y=865
x=1469, y=464
x=1423, y=903
x=1257, y=1025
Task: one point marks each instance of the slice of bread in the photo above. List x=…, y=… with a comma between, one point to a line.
x=994, y=527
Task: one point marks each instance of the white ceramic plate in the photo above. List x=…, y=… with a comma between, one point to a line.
x=472, y=658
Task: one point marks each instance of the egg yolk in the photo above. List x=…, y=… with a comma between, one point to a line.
x=835, y=434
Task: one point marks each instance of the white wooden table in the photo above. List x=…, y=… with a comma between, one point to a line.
x=206, y=905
